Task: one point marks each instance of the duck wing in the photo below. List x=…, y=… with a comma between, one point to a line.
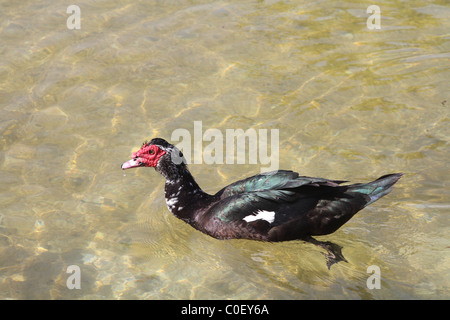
x=274, y=180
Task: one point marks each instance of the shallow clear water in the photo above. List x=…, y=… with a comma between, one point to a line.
x=348, y=102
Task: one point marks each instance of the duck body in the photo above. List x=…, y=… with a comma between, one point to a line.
x=274, y=206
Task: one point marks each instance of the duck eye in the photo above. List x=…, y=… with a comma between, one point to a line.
x=151, y=151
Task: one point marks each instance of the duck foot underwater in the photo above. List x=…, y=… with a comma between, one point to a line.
x=333, y=252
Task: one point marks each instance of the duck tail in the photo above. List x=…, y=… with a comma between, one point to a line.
x=378, y=188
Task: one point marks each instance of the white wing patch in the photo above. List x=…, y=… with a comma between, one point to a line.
x=269, y=216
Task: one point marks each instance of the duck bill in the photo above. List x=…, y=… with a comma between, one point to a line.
x=133, y=163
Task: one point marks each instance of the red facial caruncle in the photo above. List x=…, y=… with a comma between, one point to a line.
x=147, y=156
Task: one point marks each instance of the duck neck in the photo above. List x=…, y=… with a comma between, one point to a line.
x=184, y=197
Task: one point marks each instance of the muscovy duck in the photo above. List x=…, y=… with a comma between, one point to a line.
x=274, y=206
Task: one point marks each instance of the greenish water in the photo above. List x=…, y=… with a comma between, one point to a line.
x=349, y=103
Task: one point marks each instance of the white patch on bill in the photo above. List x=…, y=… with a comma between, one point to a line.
x=269, y=216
